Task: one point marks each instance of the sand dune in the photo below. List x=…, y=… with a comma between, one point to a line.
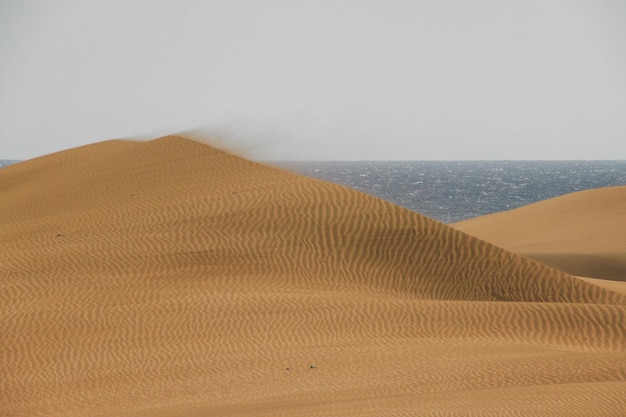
x=168, y=278
x=582, y=233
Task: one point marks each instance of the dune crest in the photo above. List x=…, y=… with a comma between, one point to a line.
x=171, y=278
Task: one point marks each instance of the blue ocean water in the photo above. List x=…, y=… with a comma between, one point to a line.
x=451, y=191
x=6, y=162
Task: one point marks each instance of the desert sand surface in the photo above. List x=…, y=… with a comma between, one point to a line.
x=582, y=233
x=169, y=278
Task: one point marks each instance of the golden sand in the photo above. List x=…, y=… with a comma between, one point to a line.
x=582, y=233
x=168, y=278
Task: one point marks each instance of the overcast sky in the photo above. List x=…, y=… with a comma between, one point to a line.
x=319, y=80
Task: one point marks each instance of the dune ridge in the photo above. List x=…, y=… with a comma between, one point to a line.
x=171, y=278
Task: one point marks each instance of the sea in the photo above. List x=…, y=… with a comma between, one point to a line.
x=6, y=162
x=451, y=191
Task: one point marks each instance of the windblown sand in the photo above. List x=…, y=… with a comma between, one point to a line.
x=168, y=278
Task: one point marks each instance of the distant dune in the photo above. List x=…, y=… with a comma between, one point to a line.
x=168, y=278
x=582, y=233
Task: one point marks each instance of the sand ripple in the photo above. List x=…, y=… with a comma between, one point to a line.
x=168, y=278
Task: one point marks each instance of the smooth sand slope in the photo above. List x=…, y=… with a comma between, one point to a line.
x=168, y=278
x=582, y=233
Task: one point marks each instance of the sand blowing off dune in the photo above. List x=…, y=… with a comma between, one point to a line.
x=169, y=278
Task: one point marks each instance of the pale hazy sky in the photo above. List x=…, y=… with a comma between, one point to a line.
x=352, y=79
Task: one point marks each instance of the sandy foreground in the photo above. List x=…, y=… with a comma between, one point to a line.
x=168, y=278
